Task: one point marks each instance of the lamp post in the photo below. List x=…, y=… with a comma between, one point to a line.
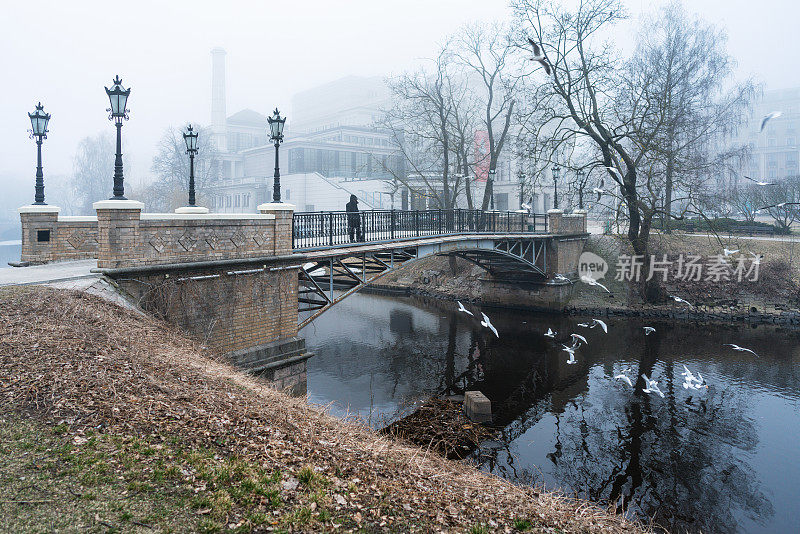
x=556, y=171
x=190, y=137
x=39, y=120
x=276, y=134
x=580, y=175
x=118, y=96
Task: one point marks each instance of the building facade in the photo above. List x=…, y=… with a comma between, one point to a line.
x=774, y=153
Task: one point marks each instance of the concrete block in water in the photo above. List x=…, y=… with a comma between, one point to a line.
x=477, y=407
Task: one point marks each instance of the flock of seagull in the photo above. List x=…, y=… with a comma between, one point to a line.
x=691, y=381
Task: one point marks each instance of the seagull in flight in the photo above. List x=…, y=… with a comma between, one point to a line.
x=601, y=324
x=757, y=258
x=600, y=192
x=729, y=252
x=691, y=381
x=577, y=337
x=680, y=300
x=648, y=330
x=488, y=324
x=758, y=182
x=780, y=205
x=562, y=278
x=592, y=282
x=595, y=322
x=538, y=56
x=769, y=117
x=550, y=333
x=652, y=386
x=740, y=349
x=624, y=377
x=461, y=308
x=571, y=352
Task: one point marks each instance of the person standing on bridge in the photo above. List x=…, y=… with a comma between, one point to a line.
x=354, y=220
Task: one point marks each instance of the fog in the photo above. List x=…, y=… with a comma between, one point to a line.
x=63, y=53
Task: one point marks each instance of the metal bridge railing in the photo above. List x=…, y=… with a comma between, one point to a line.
x=332, y=228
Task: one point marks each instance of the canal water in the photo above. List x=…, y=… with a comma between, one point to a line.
x=721, y=460
x=9, y=251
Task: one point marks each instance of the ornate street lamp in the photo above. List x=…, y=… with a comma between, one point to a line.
x=556, y=171
x=276, y=134
x=39, y=120
x=191, y=148
x=580, y=175
x=118, y=96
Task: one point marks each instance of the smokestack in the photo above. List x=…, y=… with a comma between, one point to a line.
x=218, y=112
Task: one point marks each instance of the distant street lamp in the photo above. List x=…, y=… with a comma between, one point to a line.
x=118, y=96
x=276, y=134
x=556, y=171
x=580, y=175
x=191, y=148
x=39, y=120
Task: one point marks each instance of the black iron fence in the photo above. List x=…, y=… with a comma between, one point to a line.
x=331, y=228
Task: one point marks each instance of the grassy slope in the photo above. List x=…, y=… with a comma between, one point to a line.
x=112, y=421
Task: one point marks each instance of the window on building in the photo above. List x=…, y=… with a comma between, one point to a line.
x=790, y=141
x=772, y=173
x=309, y=207
x=288, y=195
x=228, y=201
x=771, y=141
x=247, y=199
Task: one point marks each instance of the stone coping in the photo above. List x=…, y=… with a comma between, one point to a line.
x=555, y=210
x=118, y=205
x=191, y=209
x=206, y=216
x=276, y=206
x=38, y=208
x=78, y=218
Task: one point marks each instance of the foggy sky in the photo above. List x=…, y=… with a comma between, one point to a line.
x=63, y=53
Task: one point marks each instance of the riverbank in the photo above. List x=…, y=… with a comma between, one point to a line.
x=116, y=421
x=774, y=298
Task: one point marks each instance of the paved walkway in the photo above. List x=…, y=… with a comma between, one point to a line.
x=50, y=272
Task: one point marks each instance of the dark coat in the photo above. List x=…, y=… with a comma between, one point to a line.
x=353, y=219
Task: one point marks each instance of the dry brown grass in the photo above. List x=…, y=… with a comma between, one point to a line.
x=67, y=356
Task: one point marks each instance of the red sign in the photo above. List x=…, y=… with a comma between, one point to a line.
x=481, y=155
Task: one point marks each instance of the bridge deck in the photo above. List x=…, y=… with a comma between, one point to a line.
x=388, y=245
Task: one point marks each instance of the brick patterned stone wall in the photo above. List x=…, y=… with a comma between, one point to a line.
x=558, y=223
x=247, y=315
x=70, y=238
x=231, y=309
x=129, y=238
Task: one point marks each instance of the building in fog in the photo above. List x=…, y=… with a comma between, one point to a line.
x=332, y=149
x=775, y=151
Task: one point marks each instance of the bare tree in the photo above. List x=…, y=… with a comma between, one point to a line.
x=422, y=125
x=645, y=131
x=786, y=190
x=93, y=171
x=487, y=52
x=170, y=167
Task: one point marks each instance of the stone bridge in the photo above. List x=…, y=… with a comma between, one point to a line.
x=246, y=283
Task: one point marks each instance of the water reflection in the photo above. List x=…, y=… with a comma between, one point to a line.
x=721, y=461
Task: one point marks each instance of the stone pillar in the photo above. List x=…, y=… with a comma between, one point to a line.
x=39, y=232
x=283, y=225
x=554, y=217
x=582, y=215
x=117, y=232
